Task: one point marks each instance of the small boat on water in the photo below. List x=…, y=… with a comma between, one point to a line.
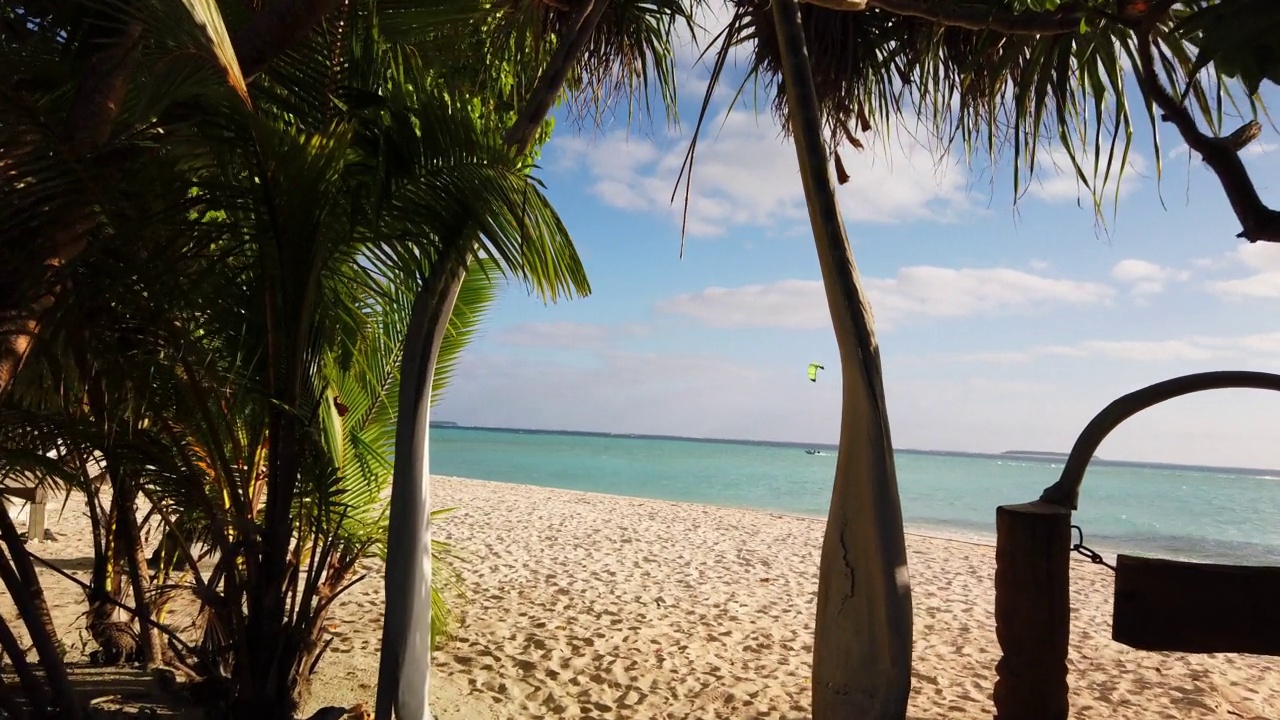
x=811, y=451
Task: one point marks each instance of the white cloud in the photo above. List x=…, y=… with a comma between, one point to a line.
x=566, y=334
x=1262, y=285
x=1264, y=347
x=745, y=175
x=1146, y=278
x=1056, y=180
x=920, y=291
x=946, y=292
x=1264, y=282
x=1261, y=148
x=787, y=304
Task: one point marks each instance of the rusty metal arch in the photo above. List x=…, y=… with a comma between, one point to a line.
x=1033, y=541
x=1066, y=491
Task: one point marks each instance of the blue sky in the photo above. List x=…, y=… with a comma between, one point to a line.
x=1000, y=327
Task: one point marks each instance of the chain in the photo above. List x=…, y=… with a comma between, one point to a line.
x=1093, y=555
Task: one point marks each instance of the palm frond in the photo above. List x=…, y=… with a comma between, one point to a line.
x=985, y=89
x=475, y=299
x=208, y=16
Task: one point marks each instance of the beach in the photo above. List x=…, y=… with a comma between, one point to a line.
x=583, y=605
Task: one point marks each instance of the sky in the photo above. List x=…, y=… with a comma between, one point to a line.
x=1001, y=327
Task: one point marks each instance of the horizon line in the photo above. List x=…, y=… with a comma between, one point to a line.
x=1024, y=454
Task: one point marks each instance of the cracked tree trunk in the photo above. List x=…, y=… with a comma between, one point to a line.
x=862, y=644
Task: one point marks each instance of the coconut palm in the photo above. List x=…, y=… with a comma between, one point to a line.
x=990, y=74
x=602, y=52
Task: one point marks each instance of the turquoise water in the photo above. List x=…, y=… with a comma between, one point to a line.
x=1194, y=513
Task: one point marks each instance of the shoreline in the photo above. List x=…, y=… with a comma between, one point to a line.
x=911, y=529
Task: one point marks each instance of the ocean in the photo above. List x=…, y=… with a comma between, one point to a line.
x=1196, y=513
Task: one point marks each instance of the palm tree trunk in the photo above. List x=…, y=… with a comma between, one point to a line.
x=93, y=111
x=23, y=584
x=404, y=669
x=862, y=645
x=130, y=538
x=405, y=664
x=581, y=26
x=278, y=27
x=37, y=693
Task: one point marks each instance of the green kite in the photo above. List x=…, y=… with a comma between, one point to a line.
x=813, y=371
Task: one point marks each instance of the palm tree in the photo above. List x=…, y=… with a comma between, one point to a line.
x=989, y=74
x=606, y=52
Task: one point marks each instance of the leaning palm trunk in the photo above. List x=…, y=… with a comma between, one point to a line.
x=37, y=696
x=862, y=648
x=24, y=588
x=404, y=669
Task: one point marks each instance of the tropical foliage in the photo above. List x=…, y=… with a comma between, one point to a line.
x=1018, y=76
x=226, y=344
x=219, y=222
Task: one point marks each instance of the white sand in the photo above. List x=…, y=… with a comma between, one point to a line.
x=583, y=605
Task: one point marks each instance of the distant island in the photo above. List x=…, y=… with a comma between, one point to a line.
x=443, y=424
x=1040, y=454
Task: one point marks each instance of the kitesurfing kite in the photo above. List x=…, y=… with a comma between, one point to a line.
x=813, y=371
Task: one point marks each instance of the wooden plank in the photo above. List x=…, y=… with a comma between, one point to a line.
x=22, y=492
x=1175, y=606
x=1033, y=611
x=37, y=498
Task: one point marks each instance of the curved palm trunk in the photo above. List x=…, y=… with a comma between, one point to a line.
x=404, y=668
x=405, y=663
x=862, y=648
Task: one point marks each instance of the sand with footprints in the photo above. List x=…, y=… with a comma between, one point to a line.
x=594, y=606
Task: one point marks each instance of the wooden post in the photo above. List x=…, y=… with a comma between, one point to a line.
x=35, y=516
x=1033, y=611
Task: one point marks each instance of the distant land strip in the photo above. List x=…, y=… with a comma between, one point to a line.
x=1031, y=455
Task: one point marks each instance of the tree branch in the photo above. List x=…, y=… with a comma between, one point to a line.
x=969, y=15
x=582, y=25
x=1221, y=154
